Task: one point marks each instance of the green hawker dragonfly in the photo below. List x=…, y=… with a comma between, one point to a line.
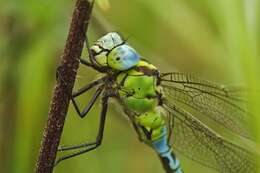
x=152, y=100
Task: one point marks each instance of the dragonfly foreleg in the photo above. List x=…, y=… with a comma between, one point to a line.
x=91, y=58
x=92, y=145
x=85, y=62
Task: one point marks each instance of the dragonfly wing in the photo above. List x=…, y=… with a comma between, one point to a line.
x=197, y=142
x=224, y=105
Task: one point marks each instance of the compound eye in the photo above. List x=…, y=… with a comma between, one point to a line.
x=123, y=57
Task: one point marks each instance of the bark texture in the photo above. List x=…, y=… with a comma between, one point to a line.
x=64, y=85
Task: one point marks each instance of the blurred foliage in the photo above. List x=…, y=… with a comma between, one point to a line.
x=218, y=40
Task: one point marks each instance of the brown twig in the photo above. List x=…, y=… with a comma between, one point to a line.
x=64, y=85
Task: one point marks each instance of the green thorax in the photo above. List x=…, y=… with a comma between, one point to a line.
x=138, y=90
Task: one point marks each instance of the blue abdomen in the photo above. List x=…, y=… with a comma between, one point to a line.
x=166, y=154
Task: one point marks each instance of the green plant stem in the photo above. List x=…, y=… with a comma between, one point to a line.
x=64, y=85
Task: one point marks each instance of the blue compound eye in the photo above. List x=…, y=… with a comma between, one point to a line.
x=123, y=58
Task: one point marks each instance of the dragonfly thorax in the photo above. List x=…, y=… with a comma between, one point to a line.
x=111, y=51
x=139, y=90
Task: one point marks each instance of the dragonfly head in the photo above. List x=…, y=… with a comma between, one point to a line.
x=112, y=51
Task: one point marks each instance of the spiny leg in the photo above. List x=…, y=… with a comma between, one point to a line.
x=133, y=121
x=139, y=134
x=170, y=125
x=82, y=115
x=90, y=104
x=86, y=110
x=88, y=87
x=92, y=145
x=91, y=58
x=93, y=99
x=72, y=147
x=85, y=62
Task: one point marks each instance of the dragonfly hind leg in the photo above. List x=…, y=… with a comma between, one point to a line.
x=88, y=146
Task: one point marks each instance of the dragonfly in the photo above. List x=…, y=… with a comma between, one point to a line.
x=156, y=104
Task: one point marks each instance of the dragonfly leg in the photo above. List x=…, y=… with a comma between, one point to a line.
x=91, y=58
x=90, y=104
x=93, y=145
x=93, y=99
x=88, y=87
x=138, y=131
x=72, y=147
x=90, y=54
x=85, y=62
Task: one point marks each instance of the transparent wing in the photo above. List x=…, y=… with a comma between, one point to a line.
x=197, y=142
x=226, y=106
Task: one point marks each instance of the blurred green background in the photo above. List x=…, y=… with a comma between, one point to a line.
x=217, y=40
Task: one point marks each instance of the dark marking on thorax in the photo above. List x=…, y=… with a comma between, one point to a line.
x=147, y=71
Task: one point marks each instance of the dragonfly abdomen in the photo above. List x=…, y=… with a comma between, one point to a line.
x=166, y=154
x=155, y=130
